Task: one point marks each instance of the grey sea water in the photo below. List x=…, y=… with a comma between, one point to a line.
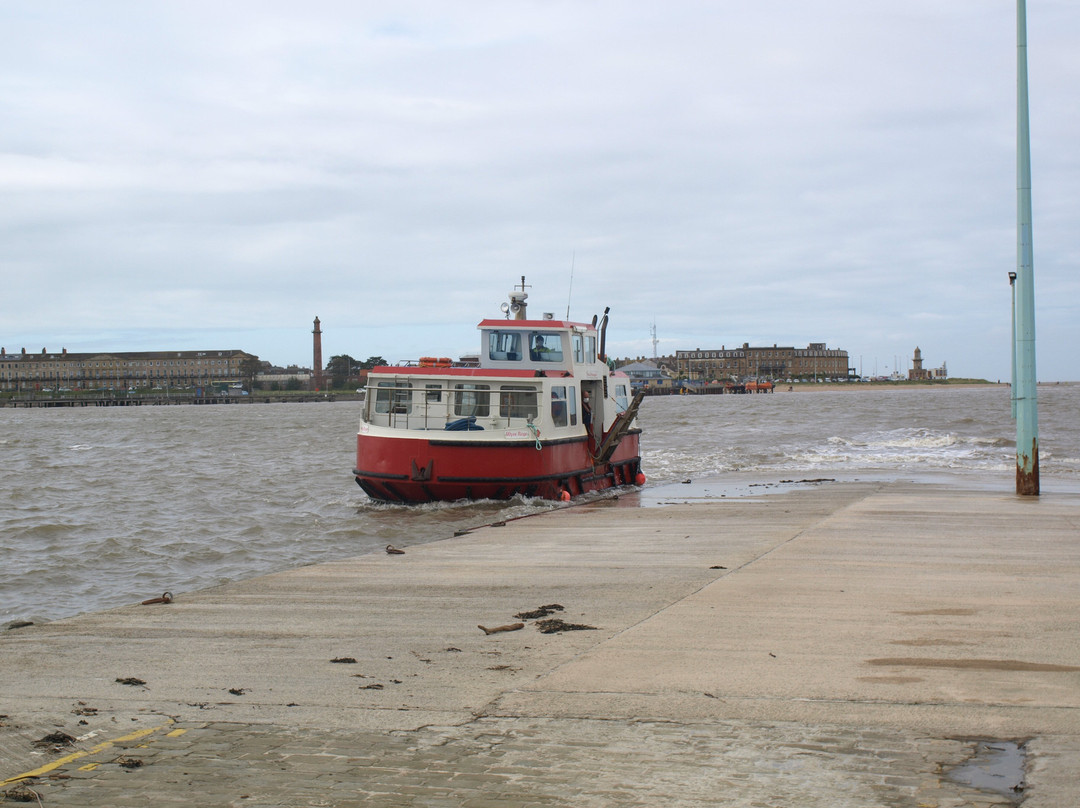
x=103, y=507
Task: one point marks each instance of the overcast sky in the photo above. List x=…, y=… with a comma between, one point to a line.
x=207, y=175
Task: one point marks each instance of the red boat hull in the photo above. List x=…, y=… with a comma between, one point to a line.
x=411, y=470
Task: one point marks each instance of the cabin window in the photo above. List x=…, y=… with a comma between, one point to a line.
x=579, y=348
x=545, y=347
x=382, y=397
x=472, y=400
x=572, y=401
x=433, y=393
x=393, y=396
x=621, y=400
x=517, y=402
x=590, y=348
x=504, y=346
x=558, y=405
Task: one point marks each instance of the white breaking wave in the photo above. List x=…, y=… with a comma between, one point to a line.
x=905, y=449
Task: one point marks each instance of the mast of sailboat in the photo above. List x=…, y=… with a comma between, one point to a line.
x=1025, y=386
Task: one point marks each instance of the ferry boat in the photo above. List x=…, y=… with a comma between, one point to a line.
x=538, y=413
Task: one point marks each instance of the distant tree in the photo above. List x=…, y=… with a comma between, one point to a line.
x=373, y=362
x=249, y=369
x=340, y=369
x=293, y=384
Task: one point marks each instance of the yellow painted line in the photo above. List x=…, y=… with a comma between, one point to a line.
x=101, y=747
x=176, y=733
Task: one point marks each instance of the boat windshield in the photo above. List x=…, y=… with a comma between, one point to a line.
x=584, y=348
x=504, y=346
x=545, y=346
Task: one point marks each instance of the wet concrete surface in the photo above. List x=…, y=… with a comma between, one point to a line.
x=840, y=645
x=996, y=766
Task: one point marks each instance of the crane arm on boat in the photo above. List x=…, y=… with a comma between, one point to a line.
x=619, y=429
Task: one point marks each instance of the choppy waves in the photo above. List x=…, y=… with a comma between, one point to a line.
x=966, y=431
x=113, y=506
x=108, y=507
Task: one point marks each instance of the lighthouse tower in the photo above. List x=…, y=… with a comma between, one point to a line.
x=917, y=371
x=316, y=359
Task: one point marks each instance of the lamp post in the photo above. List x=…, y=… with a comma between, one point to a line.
x=1026, y=394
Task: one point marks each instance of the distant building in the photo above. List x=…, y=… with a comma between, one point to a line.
x=816, y=361
x=918, y=373
x=119, y=370
x=645, y=374
x=301, y=377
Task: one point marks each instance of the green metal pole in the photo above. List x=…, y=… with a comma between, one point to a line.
x=1027, y=410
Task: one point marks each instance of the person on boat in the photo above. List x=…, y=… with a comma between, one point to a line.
x=539, y=347
x=586, y=411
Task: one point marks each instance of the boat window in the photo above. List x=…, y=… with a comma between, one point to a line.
x=504, y=346
x=382, y=397
x=434, y=393
x=558, y=405
x=393, y=396
x=472, y=399
x=621, y=400
x=590, y=348
x=545, y=347
x=579, y=348
x=572, y=400
x=517, y=402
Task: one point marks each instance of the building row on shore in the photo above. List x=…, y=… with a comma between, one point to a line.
x=204, y=369
x=816, y=361
x=745, y=369
x=121, y=370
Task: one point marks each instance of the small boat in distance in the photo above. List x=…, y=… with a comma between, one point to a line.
x=539, y=413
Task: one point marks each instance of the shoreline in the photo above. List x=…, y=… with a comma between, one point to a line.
x=848, y=387
x=39, y=401
x=901, y=385
x=905, y=385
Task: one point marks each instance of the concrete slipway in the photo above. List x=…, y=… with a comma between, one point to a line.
x=840, y=644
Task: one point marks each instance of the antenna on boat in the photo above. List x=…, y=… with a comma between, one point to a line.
x=573, y=255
